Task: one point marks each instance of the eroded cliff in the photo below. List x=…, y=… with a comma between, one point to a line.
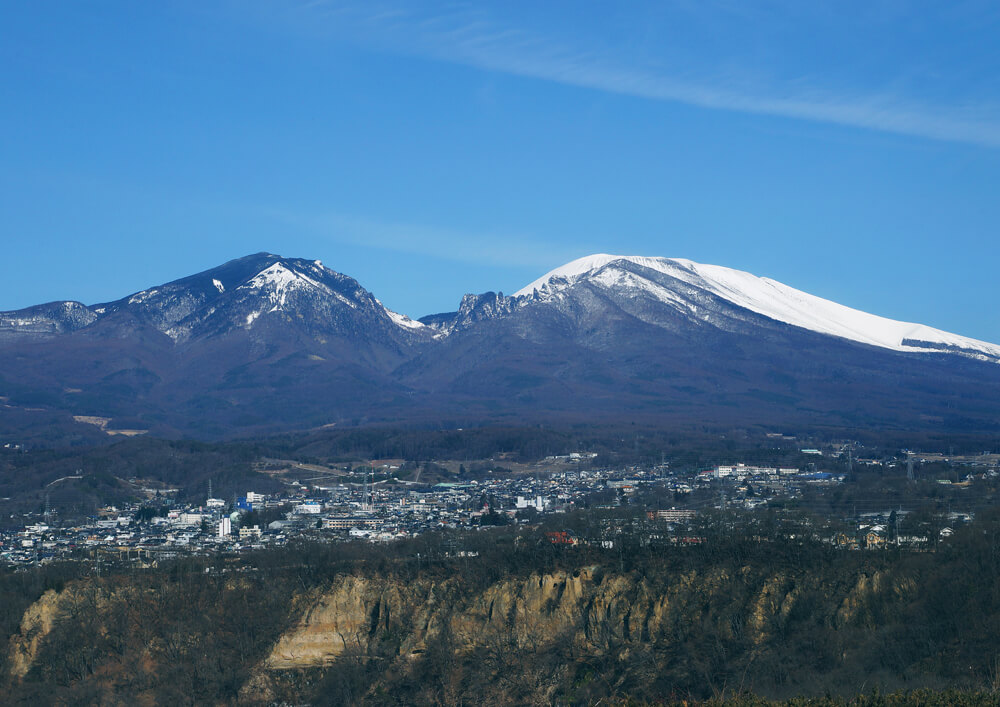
x=588, y=608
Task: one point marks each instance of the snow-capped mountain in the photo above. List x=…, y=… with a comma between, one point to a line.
x=266, y=342
x=259, y=290
x=669, y=280
x=242, y=294
x=621, y=337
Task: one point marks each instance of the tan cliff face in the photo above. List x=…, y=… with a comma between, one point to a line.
x=339, y=621
x=35, y=626
x=586, y=609
x=356, y=611
x=869, y=589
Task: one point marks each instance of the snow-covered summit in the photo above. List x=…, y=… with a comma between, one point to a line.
x=246, y=292
x=761, y=295
x=294, y=284
x=574, y=269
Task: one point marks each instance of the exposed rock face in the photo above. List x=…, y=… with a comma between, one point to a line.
x=474, y=308
x=339, y=621
x=35, y=626
x=587, y=609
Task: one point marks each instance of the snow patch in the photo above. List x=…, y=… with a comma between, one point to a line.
x=176, y=333
x=279, y=277
x=349, y=303
x=622, y=279
x=403, y=320
x=218, y=285
x=140, y=297
x=278, y=281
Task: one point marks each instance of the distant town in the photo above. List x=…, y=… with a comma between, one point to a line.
x=370, y=504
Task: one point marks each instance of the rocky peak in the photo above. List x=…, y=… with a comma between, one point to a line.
x=473, y=308
x=45, y=320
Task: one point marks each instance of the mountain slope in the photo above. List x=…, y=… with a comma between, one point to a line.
x=44, y=321
x=654, y=339
x=761, y=295
x=246, y=292
x=262, y=341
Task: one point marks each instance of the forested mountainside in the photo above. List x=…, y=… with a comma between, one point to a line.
x=510, y=618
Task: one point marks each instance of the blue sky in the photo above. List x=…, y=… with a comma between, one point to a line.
x=850, y=149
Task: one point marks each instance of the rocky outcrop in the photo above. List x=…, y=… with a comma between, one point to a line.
x=588, y=609
x=339, y=621
x=35, y=626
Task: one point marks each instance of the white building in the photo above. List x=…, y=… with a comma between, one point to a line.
x=538, y=503
x=250, y=533
x=741, y=470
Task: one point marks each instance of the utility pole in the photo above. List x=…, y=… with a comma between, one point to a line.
x=367, y=487
x=909, y=466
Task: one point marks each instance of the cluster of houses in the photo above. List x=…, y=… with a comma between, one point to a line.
x=376, y=512
x=879, y=531
x=391, y=509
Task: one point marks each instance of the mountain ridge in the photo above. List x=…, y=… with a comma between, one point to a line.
x=269, y=343
x=280, y=276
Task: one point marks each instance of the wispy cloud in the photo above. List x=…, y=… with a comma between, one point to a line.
x=465, y=36
x=500, y=249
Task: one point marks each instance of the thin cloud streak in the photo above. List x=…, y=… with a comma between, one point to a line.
x=497, y=249
x=461, y=37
